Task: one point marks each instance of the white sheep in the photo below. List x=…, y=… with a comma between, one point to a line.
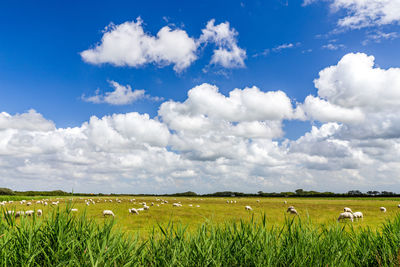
x=10, y=212
x=108, y=212
x=383, y=209
x=146, y=207
x=197, y=206
x=398, y=206
x=248, y=208
x=258, y=201
x=285, y=202
x=74, y=210
x=346, y=209
x=133, y=211
x=176, y=205
x=39, y=212
x=29, y=212
x=28, y=203
x=140, y=209
x=358, y=215
x=346, y=215
x=292, y=210
x=45, y=203
x=19, y=213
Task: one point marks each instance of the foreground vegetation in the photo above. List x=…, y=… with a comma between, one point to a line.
x=65, y=239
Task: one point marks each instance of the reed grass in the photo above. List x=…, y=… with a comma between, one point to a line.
x=66, y=239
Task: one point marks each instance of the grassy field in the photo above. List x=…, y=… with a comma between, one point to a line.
x=320, y=211
x=63, y=238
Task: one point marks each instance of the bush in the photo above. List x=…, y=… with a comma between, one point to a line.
x=6, y=191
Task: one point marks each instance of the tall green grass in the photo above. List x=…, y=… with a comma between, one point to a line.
x=65, y=239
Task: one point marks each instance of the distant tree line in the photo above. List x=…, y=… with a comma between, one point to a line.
x=296, y=193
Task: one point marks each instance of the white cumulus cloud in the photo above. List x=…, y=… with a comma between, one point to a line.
x=364, y=13
x=122, y=95
x=128, y=44
x=228, y=54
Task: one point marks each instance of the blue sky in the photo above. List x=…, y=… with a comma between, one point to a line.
x=284, y=44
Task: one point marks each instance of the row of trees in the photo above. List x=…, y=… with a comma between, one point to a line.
x=296, y=193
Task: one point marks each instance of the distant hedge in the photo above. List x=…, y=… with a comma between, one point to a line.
x=6, y=191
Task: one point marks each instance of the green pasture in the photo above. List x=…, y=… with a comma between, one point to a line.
x=213, y=211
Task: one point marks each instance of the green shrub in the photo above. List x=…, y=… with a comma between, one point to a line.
x=6, y=191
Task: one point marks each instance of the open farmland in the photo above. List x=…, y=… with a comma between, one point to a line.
x=217, y=233
x=197, y=211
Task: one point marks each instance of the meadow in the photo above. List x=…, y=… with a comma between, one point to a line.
x=214, y=234
x=322, y=211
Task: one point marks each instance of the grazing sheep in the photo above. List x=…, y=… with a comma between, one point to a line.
x=346, y=215
x=358, y=215
x=39, y=212
x=346, y=209
x=227, y=201
x=383, y=209
x=146, y=207
x=19, y=213
x=28, y=203
x=74, y=210
x=10, y=212
x=140, y=209
x=177, y=205
x=285, y=202
x=248, y=208
x=108, y=212
x=258, y=201
x=197, y=206
x=190, y=205
x=292, y=210
x=398, y=206
x=45, y=203
x=133, y=211
x=29, y=212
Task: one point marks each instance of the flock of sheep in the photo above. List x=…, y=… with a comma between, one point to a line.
x=346, y=214
x=349, y=214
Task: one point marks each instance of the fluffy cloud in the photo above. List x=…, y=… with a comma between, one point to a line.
x=211, y=141
x=354, y=90
x=26, y=121
x=122, y=95
x=355, y=82
x=228, y=54
x=365, y=13
x=128, y=45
